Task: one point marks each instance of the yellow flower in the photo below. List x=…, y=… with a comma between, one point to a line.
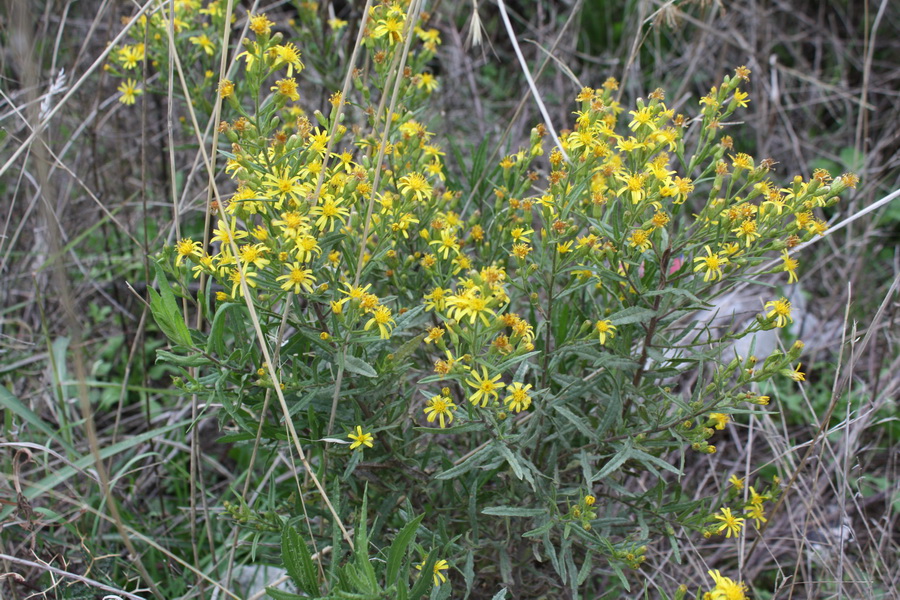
x=747, y=230
x=297, y=278
x=446, y=244
x=440, y=408
x=360, y=438
x=485, y=387
x=328, y=212
x=756, y=513
x=737, y=482
x=640, y=239
x=235, y=277
x=781, y=312
x=790, y=266
x=289, y=55
x=260, y=24
x=427, y=82
x=730, y=523
x=711, y=263
x=720, y=420
x=204, y=42
x=186, y=247
x=226, y=88
x=130, y=91
x=381, y=317
x=518, y=398
x=287, y=87
x=434, y=334
x=726, y=589
x=606, y=330
x=391, y=28
x=416, y=185
x=796, y=374
x=439, y=566
x=226, y=234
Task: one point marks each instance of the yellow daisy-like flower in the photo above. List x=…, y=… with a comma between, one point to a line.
x=434, y=334
x=381, y=317
x=780, y=311
x=485, y=387
x=186, y=247
x=640, y=239
x=287, y=87
x=260, y=24
x=790, y=266
x=439, y=566
x=518, y=398
x=756, y=513
x=360, y=438
x=328, y=212
x=726, y=589
x=130, y=91
x=440, y=408
x=711, y=264
x=427, y=82
x=297, y=278
x=605, y=329
x=289, y=55
x=719, y=420
x=391, y=28
x=416, y=185
x=737, y=482
x=731, y=524
x=204, y=42
x=747, y=230
x=235, y=277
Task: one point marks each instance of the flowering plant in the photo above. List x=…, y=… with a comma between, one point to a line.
x=522, y=351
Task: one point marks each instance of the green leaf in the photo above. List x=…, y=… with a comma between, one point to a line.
x=193, y=360
x=501, y=595
x=513, y=511
x=361, y=546
x=359, y=366
x=282, y=595
x=632, y=314
x=470, y=463
x=398, y=549
x=576, y=421
x=539, y=531
x=511, y=459
x=615, y=462
x=650, y=459
x=165, y=311
x=216, y=342
x=297, y=561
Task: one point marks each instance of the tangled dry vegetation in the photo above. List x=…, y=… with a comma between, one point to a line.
x=87, y=184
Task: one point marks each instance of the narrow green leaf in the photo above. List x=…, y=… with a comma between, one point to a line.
x=513, y=511
x=632, y=314
x=277, y=594
x=359, y=366
x=511, y=460
x=297, y=561
x=193, y=360
x=167, y=309
x=398, y=550
x=501, y=595
x=615, y=462
x=575, y=420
